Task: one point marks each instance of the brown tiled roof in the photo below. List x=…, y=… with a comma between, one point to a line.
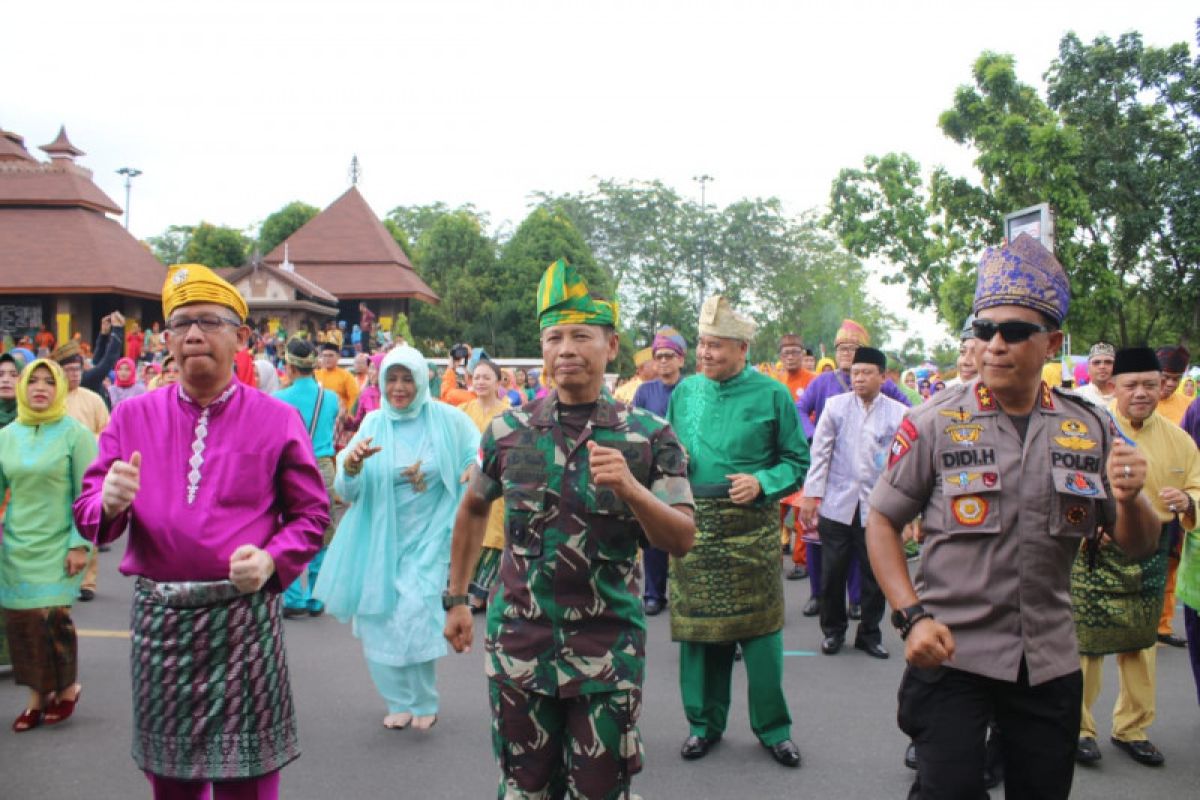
x=12, y=147
x=52, y=185
x=62, y=144
x=73, y=251
x=293, y=279
x=347, y=250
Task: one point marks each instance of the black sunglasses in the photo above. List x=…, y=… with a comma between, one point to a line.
x=1011, y=331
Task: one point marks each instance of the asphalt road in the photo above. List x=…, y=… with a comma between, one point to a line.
x=844, y=709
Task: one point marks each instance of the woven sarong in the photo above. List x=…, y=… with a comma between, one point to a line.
x=728, y=587
x=1117, y=604
x=43, y=647
x=211, y=695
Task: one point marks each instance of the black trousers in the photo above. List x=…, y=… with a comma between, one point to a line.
x=946, y=712
x=838, y=543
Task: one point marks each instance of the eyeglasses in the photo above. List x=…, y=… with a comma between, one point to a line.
x=667, y=355
x=1011, y=331
x=180, y=325
x=791, y=352
x=845, y=348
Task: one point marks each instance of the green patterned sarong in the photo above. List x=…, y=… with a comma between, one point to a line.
x=1117, y=604
x=729, y=587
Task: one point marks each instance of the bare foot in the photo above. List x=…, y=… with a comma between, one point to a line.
x=397, y=722
x=70, y=693
x=424, y=723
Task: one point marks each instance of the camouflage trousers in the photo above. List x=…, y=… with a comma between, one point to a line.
x=549, y=748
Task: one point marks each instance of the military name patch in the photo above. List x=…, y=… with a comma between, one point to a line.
x=977, y=457
x=969, y=510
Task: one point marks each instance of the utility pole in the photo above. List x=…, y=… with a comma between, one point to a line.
x=703, y=181
x=130, y=173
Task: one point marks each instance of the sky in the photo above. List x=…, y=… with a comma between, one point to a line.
x=233, y=108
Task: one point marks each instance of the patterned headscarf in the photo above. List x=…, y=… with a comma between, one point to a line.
x=563, y=299
x=58, y=406
x=196, y=283
x=717, y=318
x=1023, y=273
x=669, y=339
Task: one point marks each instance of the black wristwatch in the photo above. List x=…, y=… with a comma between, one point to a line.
x=903, y=619
x=449, y=601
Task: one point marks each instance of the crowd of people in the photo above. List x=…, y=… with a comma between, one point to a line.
x=1053, y=522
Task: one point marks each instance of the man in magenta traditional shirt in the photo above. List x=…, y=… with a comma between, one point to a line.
x=227, y=510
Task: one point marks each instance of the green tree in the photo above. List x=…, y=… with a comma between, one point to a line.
x=171, y=246
x=1114, y=148
x=458, y=261
x=283, y=223
x=216, y=246
x=542, y=238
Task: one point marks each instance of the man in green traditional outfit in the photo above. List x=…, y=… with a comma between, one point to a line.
x=745, y=450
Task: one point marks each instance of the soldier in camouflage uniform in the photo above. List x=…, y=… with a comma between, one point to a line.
x=585, y=481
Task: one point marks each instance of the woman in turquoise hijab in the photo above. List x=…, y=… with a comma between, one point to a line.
x=403, y=474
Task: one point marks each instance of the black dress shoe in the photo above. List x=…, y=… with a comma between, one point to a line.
x=830, y=645
x=910, y=755
x=653, y=607
x=1087, y=751
x=87, y=595
x=1172, y=639
x=873, y=649
x=787, y=549
x=855, y=611
x=697, y=746
x=786, y=753
x=1142, y=752
x=797, y=573
x=812, y=607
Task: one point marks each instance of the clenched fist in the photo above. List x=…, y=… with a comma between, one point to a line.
x=250, y=568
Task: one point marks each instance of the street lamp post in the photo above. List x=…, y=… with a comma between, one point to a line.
x=703, y=181
x=130, y=173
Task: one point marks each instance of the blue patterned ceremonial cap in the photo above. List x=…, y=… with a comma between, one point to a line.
x=1023, y=273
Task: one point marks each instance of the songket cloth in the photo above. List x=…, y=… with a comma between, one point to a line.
x=44, y=648
x=728, y=588
x=225, y=715
x=1117, y=603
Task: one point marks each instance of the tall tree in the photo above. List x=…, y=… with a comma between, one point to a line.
x=283, y=223
x=1114, y=149
x=170, y=247
x=216, y=246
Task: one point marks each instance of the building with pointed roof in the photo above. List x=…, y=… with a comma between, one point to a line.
x=64, y=261
x=348, y=252
x=282, y=294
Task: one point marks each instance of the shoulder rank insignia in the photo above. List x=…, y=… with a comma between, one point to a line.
x=983, y=398
x=1075, y=436
x=1047, y=397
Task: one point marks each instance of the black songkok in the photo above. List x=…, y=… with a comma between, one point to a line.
x=1135, y=359
x=1173, y=359
x=869, y=355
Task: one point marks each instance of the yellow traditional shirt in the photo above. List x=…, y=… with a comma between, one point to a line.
x=494, y=535
x=1174, y=407
x=341, y=383
x=87, y=408
x=628, y=390
x=1173, y=460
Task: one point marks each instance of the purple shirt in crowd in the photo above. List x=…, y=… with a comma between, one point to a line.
x=654, y=396
x=830, y=384
x=1191, y=420
x=256, y=482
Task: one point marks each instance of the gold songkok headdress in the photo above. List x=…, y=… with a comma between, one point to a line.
x=195, y=283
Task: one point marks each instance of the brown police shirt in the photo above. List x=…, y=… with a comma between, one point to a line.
x=1002, y=519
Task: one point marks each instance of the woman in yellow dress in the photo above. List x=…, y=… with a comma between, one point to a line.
x=489, y=403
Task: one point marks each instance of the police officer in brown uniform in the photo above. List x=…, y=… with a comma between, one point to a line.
x=1008, y=476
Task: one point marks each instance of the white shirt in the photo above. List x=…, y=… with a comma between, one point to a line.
x=849, y=451
x=1090, y=392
